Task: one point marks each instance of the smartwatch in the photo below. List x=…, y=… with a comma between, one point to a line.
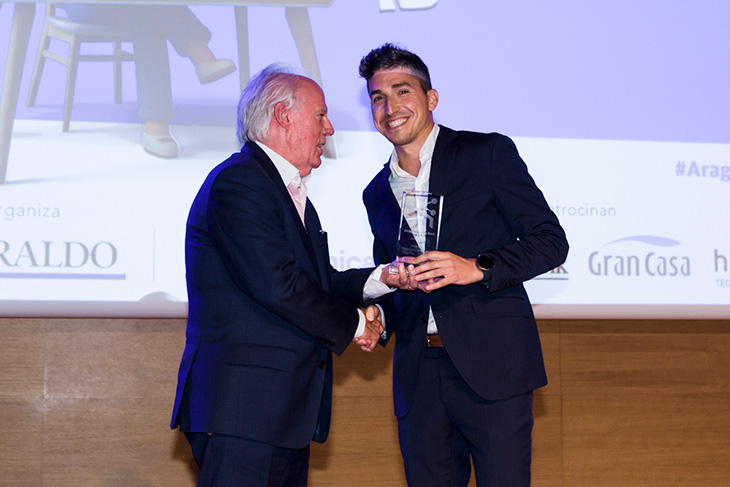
x=485, y=263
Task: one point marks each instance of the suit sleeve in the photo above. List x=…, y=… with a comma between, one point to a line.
x=246, y=220
x=541, y=244
x=349, y=284
x=380, y=256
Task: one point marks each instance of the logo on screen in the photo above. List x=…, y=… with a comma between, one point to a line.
x=722, y=268
x=560, y=273
x=343, y=261
x=66, y=255
x=632, y=263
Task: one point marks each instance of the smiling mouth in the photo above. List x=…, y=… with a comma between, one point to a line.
x=391, y=124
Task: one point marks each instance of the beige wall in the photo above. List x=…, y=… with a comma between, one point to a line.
x=86, y=402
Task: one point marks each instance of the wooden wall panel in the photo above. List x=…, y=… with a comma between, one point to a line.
x=547, y=449
x=21, y=448
x=646, y=440
x=630, y=403
x=113, y=442
x=113, y=358
x=547, y=442
x=22, y=358
x=362, y=449
x=21, y=401
x=110, y=387
x=638, y=356
x=646, y=403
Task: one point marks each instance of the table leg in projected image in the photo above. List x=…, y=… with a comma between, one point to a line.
x=297, y=17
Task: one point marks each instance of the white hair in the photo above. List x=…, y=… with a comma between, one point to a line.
x=276, y=83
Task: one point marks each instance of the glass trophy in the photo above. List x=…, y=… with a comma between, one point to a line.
x=420, y=223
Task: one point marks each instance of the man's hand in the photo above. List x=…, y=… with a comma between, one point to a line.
x=398, y=274
x=437, y=269
x=373, y=329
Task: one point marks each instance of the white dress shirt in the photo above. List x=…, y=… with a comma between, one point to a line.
x=401, y=181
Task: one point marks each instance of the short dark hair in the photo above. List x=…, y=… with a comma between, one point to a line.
x=390, y=56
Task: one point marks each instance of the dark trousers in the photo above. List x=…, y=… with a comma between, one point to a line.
x=448, y=425
x=230, y=461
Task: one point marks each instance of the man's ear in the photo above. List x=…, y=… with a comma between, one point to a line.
x=282, y=114
x=433, y=99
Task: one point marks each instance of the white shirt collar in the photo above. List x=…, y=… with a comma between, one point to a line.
x=286, y=170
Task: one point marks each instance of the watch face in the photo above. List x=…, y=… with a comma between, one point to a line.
x=485, y=262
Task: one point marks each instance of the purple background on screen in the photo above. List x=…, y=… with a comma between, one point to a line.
x=650, y=70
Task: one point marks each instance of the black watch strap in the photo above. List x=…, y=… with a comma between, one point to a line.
x=485, y=263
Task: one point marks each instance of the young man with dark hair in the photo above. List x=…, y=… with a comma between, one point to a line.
x=467, y=352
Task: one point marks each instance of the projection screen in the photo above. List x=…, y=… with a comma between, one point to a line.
x=620, y=109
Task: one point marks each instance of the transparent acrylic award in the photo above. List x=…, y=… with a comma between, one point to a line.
x=420, y=224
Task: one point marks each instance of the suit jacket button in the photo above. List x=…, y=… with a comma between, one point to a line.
x=424, y=320
x=322, y=364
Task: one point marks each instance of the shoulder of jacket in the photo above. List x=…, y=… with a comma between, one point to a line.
x=465, y=136
x=377, y=179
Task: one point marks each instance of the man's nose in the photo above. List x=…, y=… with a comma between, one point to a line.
x=329, y=129
x=390, y=106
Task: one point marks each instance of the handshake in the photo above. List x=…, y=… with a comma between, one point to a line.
x=373, y=329
x=395, y=275
x=428, y=272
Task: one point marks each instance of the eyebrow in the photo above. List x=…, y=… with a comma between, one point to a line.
x=394, y=86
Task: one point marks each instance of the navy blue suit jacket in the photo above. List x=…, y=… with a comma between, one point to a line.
x=491, y=205
x=266, y=310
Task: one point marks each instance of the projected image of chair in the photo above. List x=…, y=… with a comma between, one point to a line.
x=74, y=34
x=149, y=28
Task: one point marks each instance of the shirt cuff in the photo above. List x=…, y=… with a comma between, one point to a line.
x=374, y=287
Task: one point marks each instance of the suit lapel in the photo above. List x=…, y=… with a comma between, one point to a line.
x=441, y=163
x=439, y=181
x=260, y=156
x=318, y=239
x=389, y=211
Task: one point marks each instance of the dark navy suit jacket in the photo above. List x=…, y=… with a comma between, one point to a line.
x=491, y=205
x=266, y=310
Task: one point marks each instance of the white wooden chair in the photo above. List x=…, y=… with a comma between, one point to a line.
x=74, y=33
